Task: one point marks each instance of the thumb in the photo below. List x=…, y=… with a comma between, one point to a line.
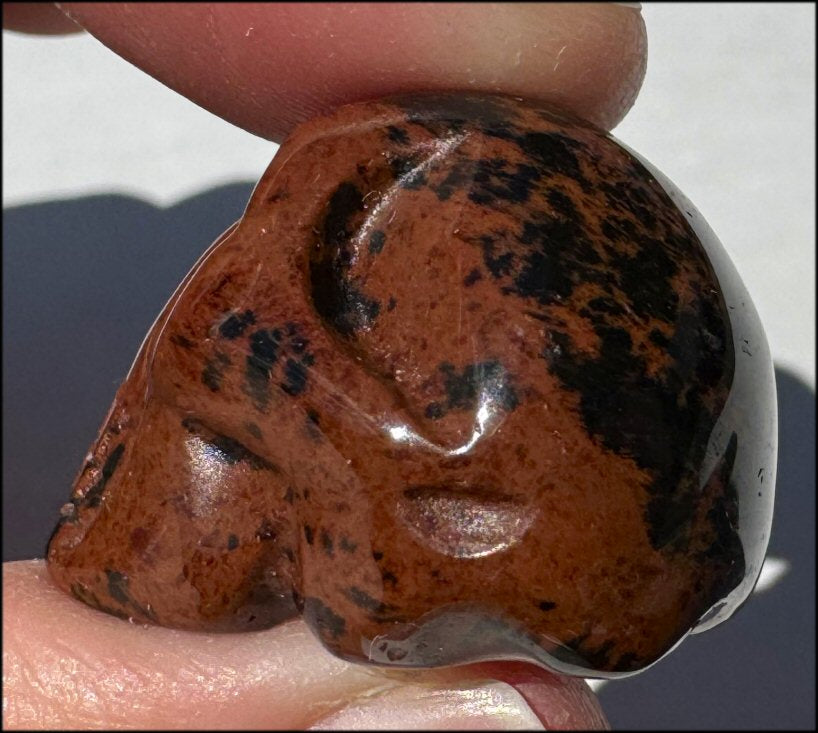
x=66, y=666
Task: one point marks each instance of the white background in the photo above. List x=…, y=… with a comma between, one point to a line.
x=727, y=111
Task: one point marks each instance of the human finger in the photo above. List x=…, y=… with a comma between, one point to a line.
x=40, y=18
x=68, y=666
x=266, y=67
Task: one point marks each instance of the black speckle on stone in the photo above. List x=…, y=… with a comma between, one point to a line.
x=625, y=196
x=388, y=577
x=658, y=338
x=344, y=204
x=408, y=171
x=87, y=597
x=627, y=662
x=666, y=516
x=321, y=616
x=326, y=543
x=232, y=542
x=266, y=530
x=181, y=341
x=93, y=496
x=81, y=593
x=472, y=277
x=213, y=371
x=611, y=228
x=119, y=591
x=295, y=374
x=337, y=296
x=599, y=656
x=594, y=657
x=434, y=411
x=118, y=587
x=346, y=545
x=257, y=463
x=376, y=242
x=362, y=599
x=264, y=352
x=390, y=306
x=726, y=547
x=646, y=279
x=460, y=176
x=442, y=112
x=606, y=305
x=353, y=311
x=497, y=264
x=563, y=205
x=236, y=324
x=554, y=153
x=309, y=534
x=296, y=341
x=494, y=182
x=558, y=257
x=397, y=135
x=484, y=380
x=289, y=495
x=546, y=605
x=253, y=429
x=378, y=556
x=112, y=461
x=226, y=449
x=229, y=450
x=313, y=424
x=658, y=420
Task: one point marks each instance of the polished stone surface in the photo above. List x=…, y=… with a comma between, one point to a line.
x=468, y=380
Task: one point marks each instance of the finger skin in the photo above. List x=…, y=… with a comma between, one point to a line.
x=268, y=66
x=40, y=18
x=67, y=666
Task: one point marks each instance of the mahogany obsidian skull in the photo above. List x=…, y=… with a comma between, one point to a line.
x=468, y=380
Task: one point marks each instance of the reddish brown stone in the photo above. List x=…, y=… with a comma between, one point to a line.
x=461, y=384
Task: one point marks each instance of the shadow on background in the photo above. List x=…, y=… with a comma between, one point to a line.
x=84, y=279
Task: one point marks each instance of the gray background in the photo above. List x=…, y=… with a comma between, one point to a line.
x=113, y=185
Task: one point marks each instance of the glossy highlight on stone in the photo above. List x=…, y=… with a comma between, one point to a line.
x=469, y=380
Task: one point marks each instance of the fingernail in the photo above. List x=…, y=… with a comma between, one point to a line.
x=486, y=706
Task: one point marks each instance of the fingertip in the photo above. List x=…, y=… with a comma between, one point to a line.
x=268, y=67
x=37, y=18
